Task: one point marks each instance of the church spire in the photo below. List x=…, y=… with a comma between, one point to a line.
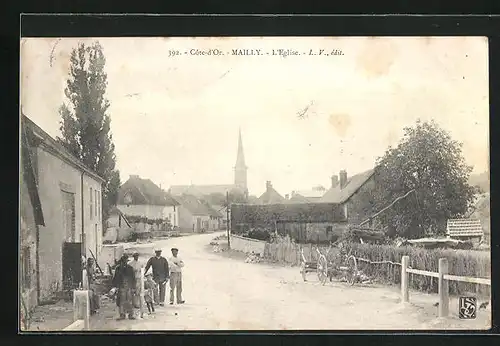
x=240, y=158
x=240, y=170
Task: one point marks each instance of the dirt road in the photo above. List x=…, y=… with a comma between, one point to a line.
x=227, y=294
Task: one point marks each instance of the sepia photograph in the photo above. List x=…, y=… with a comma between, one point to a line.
x=254, y=183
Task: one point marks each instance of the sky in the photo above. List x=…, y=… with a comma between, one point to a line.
x=175, y=118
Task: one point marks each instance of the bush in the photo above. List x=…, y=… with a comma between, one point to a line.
x=133, y=236
x=461, y=263
x=258, y=234
x=139, y=219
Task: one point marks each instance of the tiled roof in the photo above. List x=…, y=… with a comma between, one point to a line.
x=300, y=198
x=253, y=199
x=313, y=193
x=271, y=196
x=196, y=206
x=29, y=177
x=201, y=190
x=144, y=191
x=300, y=212
x=55, y=147
x=297, y=198
x=338, y=195
x=464, y=228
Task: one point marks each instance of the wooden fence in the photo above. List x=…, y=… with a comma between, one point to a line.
x=443, y=278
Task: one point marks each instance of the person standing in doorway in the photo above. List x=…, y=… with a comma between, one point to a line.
x=176, y=264
x=138, y=282
x=160, y=273
x=124, y=280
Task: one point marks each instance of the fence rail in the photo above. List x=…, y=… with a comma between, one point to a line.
x=422, y=272
x=480, y=281
x=443, y=280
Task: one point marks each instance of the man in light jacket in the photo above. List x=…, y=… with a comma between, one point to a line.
x=160, y=273
x=176, y=264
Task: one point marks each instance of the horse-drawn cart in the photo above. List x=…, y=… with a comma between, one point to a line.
x=345, y=267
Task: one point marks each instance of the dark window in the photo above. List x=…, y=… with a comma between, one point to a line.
x=26, y=267
x=329, y=229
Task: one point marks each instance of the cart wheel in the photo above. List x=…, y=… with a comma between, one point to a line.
x=322, y=269
x=352, y=273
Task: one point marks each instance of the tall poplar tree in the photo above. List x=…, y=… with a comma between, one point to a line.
x=85, y=123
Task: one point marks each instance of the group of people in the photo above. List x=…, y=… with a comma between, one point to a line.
x=127, y=279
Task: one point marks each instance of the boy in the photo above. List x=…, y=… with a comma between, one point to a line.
x=149, y=289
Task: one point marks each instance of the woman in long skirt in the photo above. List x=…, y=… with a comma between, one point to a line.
x=124, y=280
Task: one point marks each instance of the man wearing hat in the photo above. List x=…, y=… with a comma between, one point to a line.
x=176, y=264
x=161, y=272
x=124, y=280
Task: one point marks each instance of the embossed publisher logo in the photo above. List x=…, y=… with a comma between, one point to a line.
x=467, y=308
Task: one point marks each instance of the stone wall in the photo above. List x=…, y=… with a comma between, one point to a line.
x=247, y=245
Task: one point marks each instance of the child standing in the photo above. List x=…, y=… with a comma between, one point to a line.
x=150, y=287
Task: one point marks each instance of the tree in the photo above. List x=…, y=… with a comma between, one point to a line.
x=429, y=161
x=85, y=124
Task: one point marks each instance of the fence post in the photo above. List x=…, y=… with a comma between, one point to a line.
x=85, y=279
x=444, y=298
x=405, y=290
x=81, y=307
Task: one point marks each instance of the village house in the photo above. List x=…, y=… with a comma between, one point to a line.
x=143, y=198
x=70, y=201
x=481, y=211
x=306, y=196
x=303, y=222
x=465, y=230
x=117, y=219
x=354, y=194
x=30, y=217
x=196, y=215
x=270, y=196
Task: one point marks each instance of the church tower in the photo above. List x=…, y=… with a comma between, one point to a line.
x=240, y=170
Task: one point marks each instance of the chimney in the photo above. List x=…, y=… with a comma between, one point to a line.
x=134, y=176
x=268, y=185
x=343, y=178
x=293, y=193
x=335, y=180
x=287, y=196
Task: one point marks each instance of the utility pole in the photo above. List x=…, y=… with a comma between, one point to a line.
x=228, y=221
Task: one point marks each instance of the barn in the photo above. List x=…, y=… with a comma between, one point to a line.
x=303, y=222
